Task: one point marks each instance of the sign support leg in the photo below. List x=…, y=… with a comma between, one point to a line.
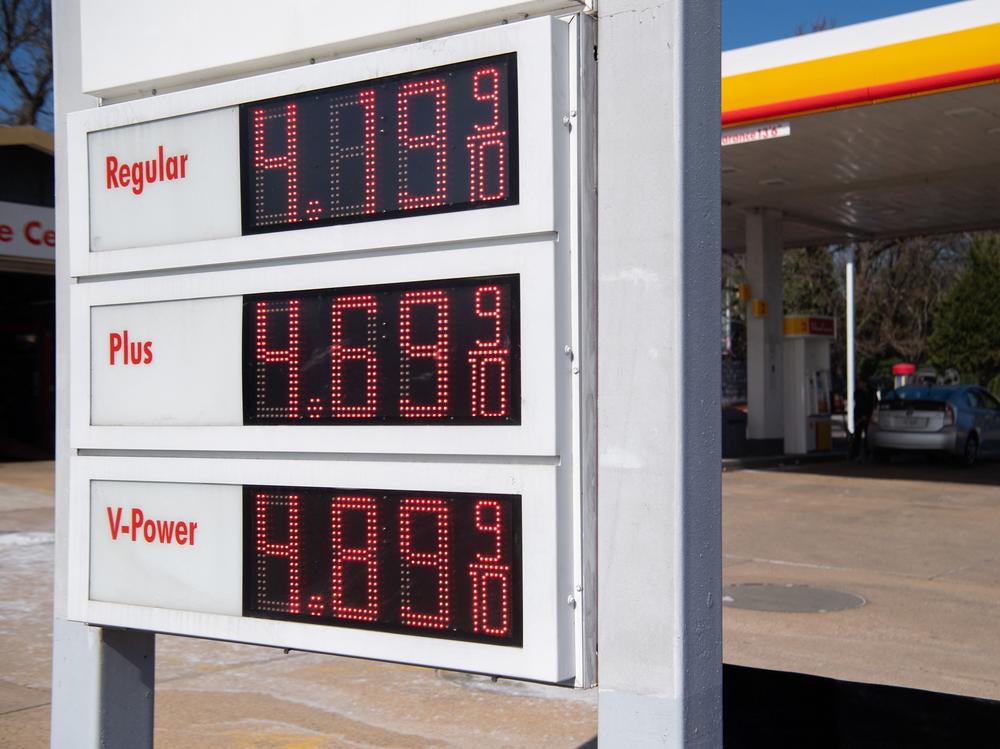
x=659, y=313
x=128, y=671
x=103, y=686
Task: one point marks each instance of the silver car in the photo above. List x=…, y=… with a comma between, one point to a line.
x=961, y=420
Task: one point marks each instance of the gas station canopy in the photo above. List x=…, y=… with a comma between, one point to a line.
x=894, y=128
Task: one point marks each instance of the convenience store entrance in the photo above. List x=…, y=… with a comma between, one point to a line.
x=27, y=366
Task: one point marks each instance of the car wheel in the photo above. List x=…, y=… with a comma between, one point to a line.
x=971, y=451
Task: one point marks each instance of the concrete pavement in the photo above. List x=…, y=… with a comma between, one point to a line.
x=917, y=541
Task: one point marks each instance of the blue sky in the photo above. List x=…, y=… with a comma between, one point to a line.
x=746, y=22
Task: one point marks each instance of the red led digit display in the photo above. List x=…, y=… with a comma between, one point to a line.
x=428, y=352
x=442, y=139
x=436, y=564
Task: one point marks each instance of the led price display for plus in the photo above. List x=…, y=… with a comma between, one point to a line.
x=428, y=352
x=436, y=140
x=436, y=564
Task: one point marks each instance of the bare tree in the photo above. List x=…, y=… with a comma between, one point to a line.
x=899, y=286
x=25, y=62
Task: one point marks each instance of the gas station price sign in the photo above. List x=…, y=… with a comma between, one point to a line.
x=427, y=352
x=437, y=140
x=432, y=564
x=435, y=516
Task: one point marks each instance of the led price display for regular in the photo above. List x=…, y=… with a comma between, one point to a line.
x=436, y=564
x=442, y=139
x=428, y=352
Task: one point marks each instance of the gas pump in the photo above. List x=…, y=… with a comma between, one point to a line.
x=903, y=374
x=807, y=382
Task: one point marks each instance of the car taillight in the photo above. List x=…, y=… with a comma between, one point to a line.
x=949, y=416
x=874, y=418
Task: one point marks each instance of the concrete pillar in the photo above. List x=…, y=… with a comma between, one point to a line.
x=852, y=376
x=659, y=281
x=765, y=416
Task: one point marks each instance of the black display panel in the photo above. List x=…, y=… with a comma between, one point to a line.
x=436, y=140
x=434, y=564
x=428, y=352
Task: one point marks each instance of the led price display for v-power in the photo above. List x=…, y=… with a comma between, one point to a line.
x=435, y=564
x=436, y=140
x=409, y=353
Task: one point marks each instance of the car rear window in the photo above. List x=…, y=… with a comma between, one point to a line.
x=915, y=404
x=988, y=401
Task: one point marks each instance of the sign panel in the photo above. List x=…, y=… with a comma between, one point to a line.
x=432, y=352
x=413, y=562
x=27, y=231
x=374, y=365
x=417, y=137
x=752, y=133
x=432, y=141
x=174, y=546
x=433, y=564
x=436, y=362
x=810, y=326
x=171, y=180
x=169, y=363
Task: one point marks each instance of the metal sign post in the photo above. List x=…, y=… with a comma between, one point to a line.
x=659, y=545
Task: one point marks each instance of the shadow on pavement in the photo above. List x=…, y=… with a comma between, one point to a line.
x=777, y=709
x=916, y=467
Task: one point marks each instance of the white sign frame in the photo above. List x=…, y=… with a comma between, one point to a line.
x=540, y=239
x=540, y=356
x=258, y=36
x=541, y=46
x=547, y=653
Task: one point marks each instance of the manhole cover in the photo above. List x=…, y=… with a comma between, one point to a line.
x=793, y=599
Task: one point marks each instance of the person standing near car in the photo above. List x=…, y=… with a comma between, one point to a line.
x=864, y=404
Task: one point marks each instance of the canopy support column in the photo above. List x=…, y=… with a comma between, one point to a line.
x=851, y=376
x=765, y=382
